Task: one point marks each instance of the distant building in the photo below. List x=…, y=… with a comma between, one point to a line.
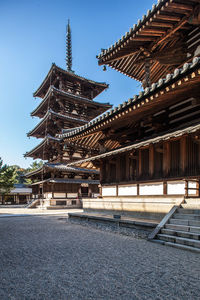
x=20, y=194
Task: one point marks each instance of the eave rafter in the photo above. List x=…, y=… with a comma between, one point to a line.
x=169, y=20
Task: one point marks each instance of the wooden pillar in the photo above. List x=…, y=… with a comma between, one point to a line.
x=183, y=156
x=186, y=188
x=101, y=171
x=138, y=189
x=198, y=186
x=117, y=190
x=165, y=188
x=151, y=160
x=166, y=158
x=118, y=169
x=127, y=167
x=140, y=162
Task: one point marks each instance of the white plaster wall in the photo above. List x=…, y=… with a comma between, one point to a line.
x=48, y=195
x=72, y=195
x=192, y=184
x=59, y=195
x=95, y=195
x=151, y=189
x=176, y=188
x=127, y=190
x=109, y=191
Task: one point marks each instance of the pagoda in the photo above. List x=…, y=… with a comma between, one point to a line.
x=67, y=103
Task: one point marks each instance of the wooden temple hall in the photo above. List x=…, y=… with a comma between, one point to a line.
x=149, y=146
x=67, y=103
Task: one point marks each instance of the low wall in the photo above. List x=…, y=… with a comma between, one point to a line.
x=152, y=207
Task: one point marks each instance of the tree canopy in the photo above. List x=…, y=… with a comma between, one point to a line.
x=7, y=178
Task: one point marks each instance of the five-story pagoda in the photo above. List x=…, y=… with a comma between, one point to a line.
x=67, y=103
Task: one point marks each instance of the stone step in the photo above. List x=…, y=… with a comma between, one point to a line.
x=190, y=206
x=195, y=201
x=183, y=228
x=184, y=234
x=188, y=211
x=186, y=216
x=183, y=247
x=185, y=222
x=179, y=240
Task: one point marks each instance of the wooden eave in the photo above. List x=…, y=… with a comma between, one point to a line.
x=39, y=130
x=166, y=91
x=61, y=168
x=37, y=151
x=62, y=180
x=54, y=71
x=165, y=137
x=160, y=36
x=52, y=91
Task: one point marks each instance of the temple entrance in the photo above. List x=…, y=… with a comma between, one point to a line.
x=84, y=191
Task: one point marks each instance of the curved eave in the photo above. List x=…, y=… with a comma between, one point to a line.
x=69, y=96
x=40, y=146
x=165, y=137
x=46, y=82
x=70, y=181
x=62, y=168
x=155, y=31
x=49, y=114
x=144, y=98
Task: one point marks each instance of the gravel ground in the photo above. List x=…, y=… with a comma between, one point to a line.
x=45, y=257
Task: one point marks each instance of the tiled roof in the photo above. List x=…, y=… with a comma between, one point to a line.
x=62, y=167
x=157, y=139
x=58, y=115
x=46, y=139
x=61, y=180
x=102, y=85
x=136, y=27
x=78, y=98
x=169, y=79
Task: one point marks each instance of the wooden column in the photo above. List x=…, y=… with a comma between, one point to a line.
x=118, y=170
x=140, y=162
x=166, y=159
x=183, y=156
x=127, y=167
x=151, y=160
x=101, y=171
x=165, y=188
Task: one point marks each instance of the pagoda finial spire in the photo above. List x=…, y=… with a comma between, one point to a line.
x=69, y=48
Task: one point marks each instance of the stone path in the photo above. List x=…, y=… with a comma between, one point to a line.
x=47, y=258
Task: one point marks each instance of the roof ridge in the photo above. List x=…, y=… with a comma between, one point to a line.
x=160, y=83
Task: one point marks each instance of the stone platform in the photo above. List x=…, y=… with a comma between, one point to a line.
x=124, y=221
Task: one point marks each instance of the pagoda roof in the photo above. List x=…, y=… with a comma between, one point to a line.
x=51, y=114
x=70, y=97
x=164, y=137
x=173, y=84
x=63, y=180
x=36, y=151
x=54, y=70
x=161, y=36
x=61, y=167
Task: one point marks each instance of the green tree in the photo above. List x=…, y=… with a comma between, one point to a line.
x=7, y=179
x=34, y=166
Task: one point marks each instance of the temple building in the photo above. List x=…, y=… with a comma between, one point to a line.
x=67, y=103
x=150, y=144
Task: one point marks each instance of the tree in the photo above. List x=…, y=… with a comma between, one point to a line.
x=7, y=179
x=34, y=166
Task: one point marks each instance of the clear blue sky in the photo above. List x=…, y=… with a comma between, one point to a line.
x=33, y=36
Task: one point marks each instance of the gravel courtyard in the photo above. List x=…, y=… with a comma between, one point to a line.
x=45, y=257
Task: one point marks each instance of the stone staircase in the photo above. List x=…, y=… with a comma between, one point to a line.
x=33, y=203
x=182, y=229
